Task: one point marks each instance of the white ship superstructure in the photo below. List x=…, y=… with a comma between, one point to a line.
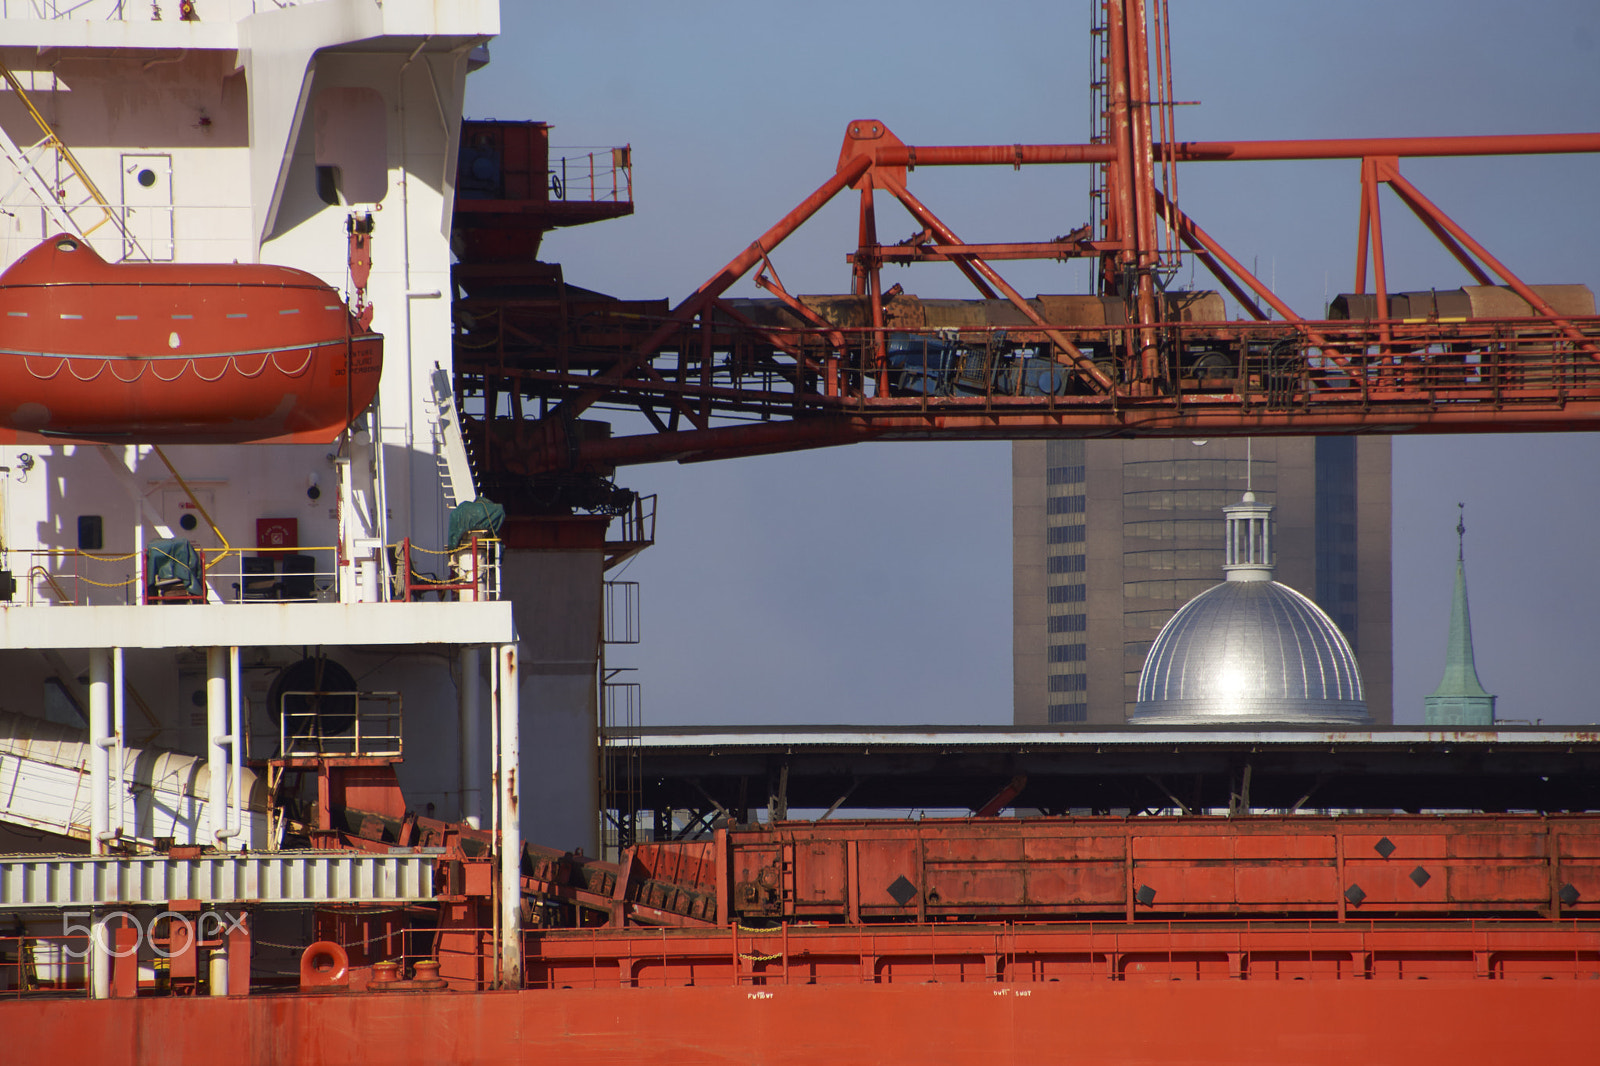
x=308, y=135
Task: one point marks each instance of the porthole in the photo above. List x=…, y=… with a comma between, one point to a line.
x=147, y=177
x=66, y=244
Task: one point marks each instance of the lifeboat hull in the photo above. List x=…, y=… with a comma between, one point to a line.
x=177, y=353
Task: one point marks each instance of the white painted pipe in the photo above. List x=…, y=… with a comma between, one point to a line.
x=119, y=802
x=219, y=968
x=233, y=824
x=469, y=697
x=510, y=840
x=216, y=754
x=236, y=730
x=99, y=758
x=100, y=958
x=494, y=780
x=344, y=579
x=494, y=745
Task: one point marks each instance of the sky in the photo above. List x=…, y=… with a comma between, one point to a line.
x=871, y=584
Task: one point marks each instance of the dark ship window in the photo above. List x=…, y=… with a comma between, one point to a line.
x=90, y=536
x=147, y=177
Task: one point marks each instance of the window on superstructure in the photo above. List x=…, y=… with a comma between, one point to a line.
x=91, y=532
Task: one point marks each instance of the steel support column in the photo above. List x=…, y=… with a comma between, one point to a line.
x=469, y=712
x=509, y=843
x=119, y=798
x=99, y=740
x=100, y=943
x=216, y=753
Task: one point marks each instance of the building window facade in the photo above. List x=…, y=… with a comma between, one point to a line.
x=1118, y=535
x=1068, y=713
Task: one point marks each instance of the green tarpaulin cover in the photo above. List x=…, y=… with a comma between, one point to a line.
x=476, y=516
x=174, y=561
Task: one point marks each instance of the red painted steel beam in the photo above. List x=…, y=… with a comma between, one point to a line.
x=1015, y=250
x=1002, y=799
x=1018, y=155
x=727, y=442
x=1012, y=155
x=1038, y=419
x=724, y=279
x=1357, y=148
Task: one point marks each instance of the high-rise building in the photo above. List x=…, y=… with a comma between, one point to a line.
x=1110, y=538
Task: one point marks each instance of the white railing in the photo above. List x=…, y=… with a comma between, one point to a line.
x=141, y=10
x=186, y=233
x=339, y=725
x=68, y=577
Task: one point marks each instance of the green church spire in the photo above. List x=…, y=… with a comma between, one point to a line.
x=1460, y=700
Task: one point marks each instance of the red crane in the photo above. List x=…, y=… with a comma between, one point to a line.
x=721, y=377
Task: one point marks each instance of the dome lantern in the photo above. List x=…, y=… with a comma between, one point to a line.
x=1249, y=540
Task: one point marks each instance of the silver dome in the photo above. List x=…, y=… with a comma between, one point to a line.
x=1250, y=652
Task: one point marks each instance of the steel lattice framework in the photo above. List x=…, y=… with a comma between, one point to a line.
x=720, y=377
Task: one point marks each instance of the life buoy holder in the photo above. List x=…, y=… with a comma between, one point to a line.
x=324, y=965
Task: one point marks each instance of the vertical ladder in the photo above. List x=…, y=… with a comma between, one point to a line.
x=1099, y=133
x=450, y=447
x=1169, y=250
x=621, y=704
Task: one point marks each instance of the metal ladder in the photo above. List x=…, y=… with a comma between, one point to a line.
x=1100, y=38
x=449, y=446
x=51, y=194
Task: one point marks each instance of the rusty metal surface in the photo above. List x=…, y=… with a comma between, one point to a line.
x=1329, y=868
x=1083, y=953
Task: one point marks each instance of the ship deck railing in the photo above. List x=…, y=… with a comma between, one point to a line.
x=180, y=232
x=323, y=725
x=71, y=577
x=470, y=571
x=580, y=175
x=126, y=10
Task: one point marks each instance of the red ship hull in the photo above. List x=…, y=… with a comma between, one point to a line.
x=177, y=353
x=1229, y=1023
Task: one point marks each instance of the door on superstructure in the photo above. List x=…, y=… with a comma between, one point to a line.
x=185, y=511
x=147, y=207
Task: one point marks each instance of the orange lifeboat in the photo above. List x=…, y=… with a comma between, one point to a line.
x=177, y=353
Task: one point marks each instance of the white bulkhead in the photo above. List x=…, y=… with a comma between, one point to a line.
x=261, y=133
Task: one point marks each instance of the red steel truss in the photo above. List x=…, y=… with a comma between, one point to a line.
x=812, y=376
x=719, y=377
